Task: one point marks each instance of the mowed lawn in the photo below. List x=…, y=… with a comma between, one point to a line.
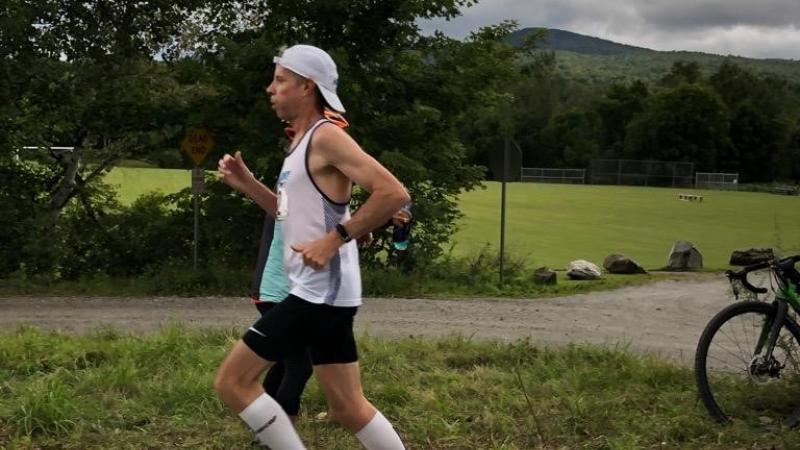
x=553, y=224
x=133, y=182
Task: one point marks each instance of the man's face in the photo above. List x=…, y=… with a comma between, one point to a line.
x=286, y=92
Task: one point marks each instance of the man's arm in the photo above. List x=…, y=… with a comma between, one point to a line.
x=387, y=194
x=234, y=173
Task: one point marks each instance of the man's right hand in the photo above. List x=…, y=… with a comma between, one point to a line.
x=233, y=172
x=401, y=217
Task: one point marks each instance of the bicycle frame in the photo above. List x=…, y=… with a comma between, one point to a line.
x=785, y=297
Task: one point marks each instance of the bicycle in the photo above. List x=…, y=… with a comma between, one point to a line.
x=747, y=363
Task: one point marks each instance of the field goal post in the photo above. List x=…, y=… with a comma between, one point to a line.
x=716, y=180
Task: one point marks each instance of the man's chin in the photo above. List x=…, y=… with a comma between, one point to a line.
x=284, y=117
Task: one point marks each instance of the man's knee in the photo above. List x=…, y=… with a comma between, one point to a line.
x=226, y=384
x=230, y=381
x=353, y=415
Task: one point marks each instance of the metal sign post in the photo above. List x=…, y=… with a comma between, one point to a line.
x=198, y=187
x=506, y=165
x=197, y=144
x=503, y=212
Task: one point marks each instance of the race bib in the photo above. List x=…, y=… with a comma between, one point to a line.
x=283, y=198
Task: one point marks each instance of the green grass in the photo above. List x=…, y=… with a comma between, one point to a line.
x=454, y=282
x=133, y=182
x=114, y=390
x=555, y=224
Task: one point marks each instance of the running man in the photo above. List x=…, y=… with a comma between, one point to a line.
x=285, y=381
x=320, y=258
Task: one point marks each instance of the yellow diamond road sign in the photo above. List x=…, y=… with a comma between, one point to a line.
x=197, y=143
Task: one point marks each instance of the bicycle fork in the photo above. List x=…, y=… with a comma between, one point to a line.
x=770, y=331
x=763, y=364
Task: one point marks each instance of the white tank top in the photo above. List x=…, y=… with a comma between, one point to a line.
x=307, y=214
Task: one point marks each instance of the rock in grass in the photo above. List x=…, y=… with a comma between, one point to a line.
x=543, y=275
x=684, y=256
x=751, y=256
x=583, y=270
x=622, y=264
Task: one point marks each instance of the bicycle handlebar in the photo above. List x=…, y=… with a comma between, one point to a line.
x=742, y=274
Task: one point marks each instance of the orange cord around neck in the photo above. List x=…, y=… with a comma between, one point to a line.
x=333, y=116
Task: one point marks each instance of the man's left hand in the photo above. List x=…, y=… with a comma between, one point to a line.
x=317, y=254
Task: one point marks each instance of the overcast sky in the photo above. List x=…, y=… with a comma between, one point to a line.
x=752, y=28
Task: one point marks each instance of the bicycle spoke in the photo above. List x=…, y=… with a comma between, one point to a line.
x=745, y=361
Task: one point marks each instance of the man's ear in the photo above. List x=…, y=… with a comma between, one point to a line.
x=310, y=87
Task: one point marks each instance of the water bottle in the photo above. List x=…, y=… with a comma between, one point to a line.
x=402, y=232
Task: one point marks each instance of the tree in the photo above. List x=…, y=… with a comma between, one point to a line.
x=122, y=80
x=687, y=123
x=576, y=133
x=788, y=158
x=420, y=105
x=682, y=72
x=537, y=98
x=761, y=110
x=83, y=75
x=616, y=109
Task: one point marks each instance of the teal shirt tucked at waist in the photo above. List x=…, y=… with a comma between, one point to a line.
x=274, y=284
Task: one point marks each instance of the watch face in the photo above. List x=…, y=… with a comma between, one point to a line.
x=343, y=232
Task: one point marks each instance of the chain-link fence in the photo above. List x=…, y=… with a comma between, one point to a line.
x=642, y=172
x=544, y=175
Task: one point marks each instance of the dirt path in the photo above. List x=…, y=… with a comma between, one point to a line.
x=665, y=317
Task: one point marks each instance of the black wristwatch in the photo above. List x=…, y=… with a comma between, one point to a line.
x=343, y=233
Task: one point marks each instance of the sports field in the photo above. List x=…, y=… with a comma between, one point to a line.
x=554, y=224
x=133, y=182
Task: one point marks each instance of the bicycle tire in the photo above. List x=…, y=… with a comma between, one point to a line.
x=701, y=367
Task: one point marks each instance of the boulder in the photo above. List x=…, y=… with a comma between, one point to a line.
x=751, y=256
x=622, y=264
x=583, y=270
x=684, y=256
x=543, y=275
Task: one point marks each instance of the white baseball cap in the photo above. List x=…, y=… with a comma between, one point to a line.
x=315, y=64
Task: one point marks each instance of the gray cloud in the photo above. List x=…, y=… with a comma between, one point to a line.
x=760, y=29
x=721, y=13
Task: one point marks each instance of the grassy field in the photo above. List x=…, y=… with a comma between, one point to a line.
x=133, y=182
x=113, y=390
x=555, y=224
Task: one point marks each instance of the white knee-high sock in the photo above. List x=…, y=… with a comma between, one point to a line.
x=271, y=424
x=379, y=434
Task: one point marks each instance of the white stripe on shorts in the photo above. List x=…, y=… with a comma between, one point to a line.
x=257, y=332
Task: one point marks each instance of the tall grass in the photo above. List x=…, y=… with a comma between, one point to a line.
x=115, y=390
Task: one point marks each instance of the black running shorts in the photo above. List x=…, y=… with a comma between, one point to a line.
x=293, y=324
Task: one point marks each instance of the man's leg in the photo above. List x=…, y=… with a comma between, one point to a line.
x=276, y=374
x=237, y=384
x=273, y=379
x=297, y=371
x=341, y=384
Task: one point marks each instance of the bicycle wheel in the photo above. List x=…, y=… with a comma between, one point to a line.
x=736, y=383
